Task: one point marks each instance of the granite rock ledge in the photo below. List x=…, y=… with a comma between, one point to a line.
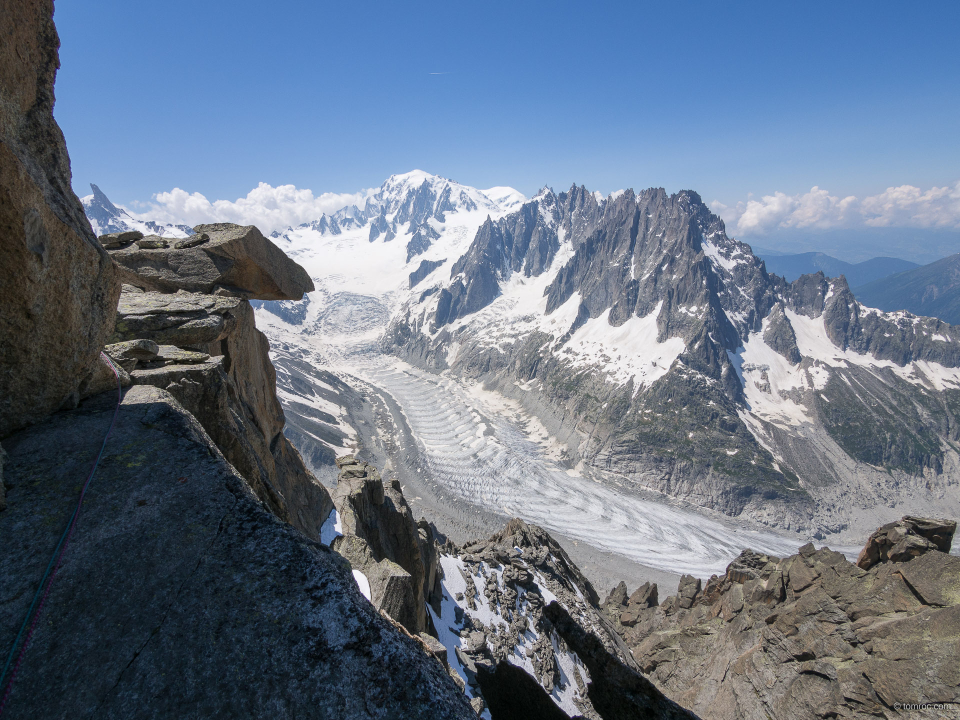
x=179, y=579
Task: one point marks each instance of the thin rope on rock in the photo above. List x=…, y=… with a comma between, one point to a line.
x=46, y=582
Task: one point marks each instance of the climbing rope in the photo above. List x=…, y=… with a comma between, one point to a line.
x=40, y=597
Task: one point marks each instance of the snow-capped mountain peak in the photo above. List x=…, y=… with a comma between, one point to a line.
x=416, y=196
x=105, y=217
x=410, y=202
x=507, y=198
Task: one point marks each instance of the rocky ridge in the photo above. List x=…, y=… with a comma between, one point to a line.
x=106, y=218
x=660, y=352
x=503, y=615
x=372, y=526
x=182, y=589
x=409, y=205
x=931, y=289
x=204, y=349
x=811, y=635
x=516, y=606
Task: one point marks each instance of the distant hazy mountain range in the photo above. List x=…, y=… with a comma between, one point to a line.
x=885, y=283
x=793, y=266
x=932, y=290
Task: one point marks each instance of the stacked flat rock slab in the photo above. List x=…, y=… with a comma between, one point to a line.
x=184, y=324
x=206, y=351
x=117, y=240
x=235, y=258
x=812, y=635
x=181, y=595
x=58, y=288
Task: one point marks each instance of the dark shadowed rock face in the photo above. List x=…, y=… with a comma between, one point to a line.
x=381, y=539
x=511, y=694
x=426, y=267
x=616, y=690
x=811, y=635
x=47, y=241
x=524, y=242
x=780, y=336
x=420, y=241
x=180, y=593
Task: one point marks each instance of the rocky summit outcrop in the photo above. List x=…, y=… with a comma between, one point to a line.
x=522, y=629
x=189, y=297
x=237, y=259
x=379, y=537
x=905, y=539
x=812, y=635
x=58, y=288
x=206, y=351
x=180, y=594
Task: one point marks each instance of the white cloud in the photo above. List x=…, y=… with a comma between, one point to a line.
x=269, y=208
x=904, y=206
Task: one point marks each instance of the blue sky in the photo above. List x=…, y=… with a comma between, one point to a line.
x=728, y=99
